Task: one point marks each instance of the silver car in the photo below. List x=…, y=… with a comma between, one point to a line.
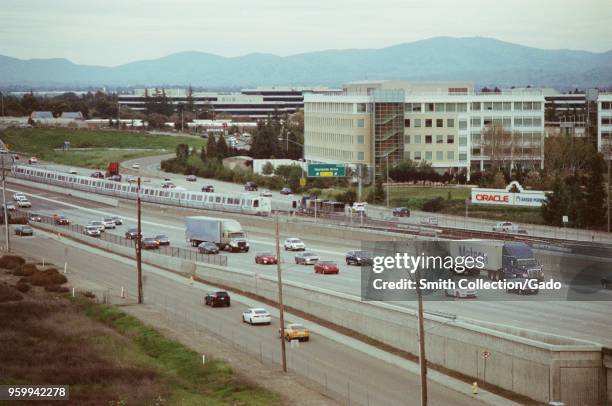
x=306, y=258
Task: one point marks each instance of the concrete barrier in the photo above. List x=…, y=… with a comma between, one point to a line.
x=542, y=367
x=68, y=192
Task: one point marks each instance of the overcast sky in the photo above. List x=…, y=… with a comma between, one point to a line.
x=113, y=32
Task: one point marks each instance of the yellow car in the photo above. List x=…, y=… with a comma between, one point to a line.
x=296, y=331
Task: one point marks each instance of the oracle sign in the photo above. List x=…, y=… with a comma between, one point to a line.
x=513, y=195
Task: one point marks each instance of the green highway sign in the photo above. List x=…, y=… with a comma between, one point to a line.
x=326, y=170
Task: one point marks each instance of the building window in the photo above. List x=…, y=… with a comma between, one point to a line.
x=606, y=120
x=439, y=139
x=407, y=154
x=361, y=107
x=439, y=107
x=416, y=107
x=360, y=156
x=360, y=139
x=606, y=105
x=429, y=107
x=461, y=107
x=428, y=156
x=463, y=124
x=428, y=139
x=507, y=106
x=439, y=155
x=476, y=106
x=417, y=123
x=360, y=123
x=407, y=139
x=450, y=107
x=462, y=141
x=450, y=139
x=450, y=155
x=417, y=155
x=417, y=139
x=428, y=122
x=463, y=157
x=440, y=123
x=476, y=151
x=407, y=122
x=475, y=121
x=450, y=123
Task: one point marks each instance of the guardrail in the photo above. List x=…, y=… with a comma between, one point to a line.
x=175, y=252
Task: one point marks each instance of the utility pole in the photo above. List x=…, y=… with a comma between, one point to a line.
x=6, y=220
x=139, y=246
x=280, y=298
x=422, y=358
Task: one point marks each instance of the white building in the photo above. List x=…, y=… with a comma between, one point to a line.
x=604, y=128
x=376, y=122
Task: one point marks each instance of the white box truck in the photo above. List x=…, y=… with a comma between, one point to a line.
x=226, y=233
x=503, y=259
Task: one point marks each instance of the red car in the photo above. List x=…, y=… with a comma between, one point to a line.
x=60, y=220
x=266, y=258
x=325, y=267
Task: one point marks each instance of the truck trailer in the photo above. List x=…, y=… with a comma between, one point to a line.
x=226, y=233
x=502, y=259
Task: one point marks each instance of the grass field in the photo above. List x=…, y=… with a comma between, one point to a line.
x=101, y=146
x=110, y=358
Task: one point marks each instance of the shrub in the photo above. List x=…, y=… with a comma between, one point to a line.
x=25, y=270
x=47, y=277
x=9, y=294
x=434, y=205
x=56, y=288
x=22, y=287
x=11, y=261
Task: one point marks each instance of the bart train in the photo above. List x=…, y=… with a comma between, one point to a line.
x=237, y=203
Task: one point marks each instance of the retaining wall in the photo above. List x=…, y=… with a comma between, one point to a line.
x=542, y=367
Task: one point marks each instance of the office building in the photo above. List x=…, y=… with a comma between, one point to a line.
x=442, y=123
x=604, y=128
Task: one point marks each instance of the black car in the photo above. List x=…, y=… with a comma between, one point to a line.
x=286, y=191
x=162, y=239
x=24, y=230
x=115, y=178
x=215, y=299
x=131, y=234
x=401, y=212
x=208, y=248
x=97, y=175
x=250, y=187
x=191, y=178
x=358, y=258
x=208, y=188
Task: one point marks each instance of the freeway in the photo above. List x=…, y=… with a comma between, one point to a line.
x=583, y=320
x=329, y=362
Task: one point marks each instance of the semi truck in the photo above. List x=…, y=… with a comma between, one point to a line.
x=502, y=259
x=226, y=233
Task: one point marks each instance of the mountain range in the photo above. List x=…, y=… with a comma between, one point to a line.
x=484, y=61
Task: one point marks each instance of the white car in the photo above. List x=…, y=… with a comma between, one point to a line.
x=294, y=244
x=256, y=316
x=19, y=196
x=359, y=207
x=429, y=221
x=136, y=166
x=109, y=223
x=460, y=293
x=508, y=227
x=24, y=203
x=92, y=231
x=266, y=193
x=99, y=224
x=32, y=160
x=73, y=171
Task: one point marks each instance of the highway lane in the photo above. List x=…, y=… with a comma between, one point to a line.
x=371, y=379
x=150, y=167
x=585, y=320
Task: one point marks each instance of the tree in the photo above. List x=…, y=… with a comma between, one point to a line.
x=264, y=144
x=182, y=151
x=222, y=149
x=567, y=156
x=556, y=204
x=498, y=144
x=377, y=195
x=211, y=147
x=595, y=195
x=268, y=168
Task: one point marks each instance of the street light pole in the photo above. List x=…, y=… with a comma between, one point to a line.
x=387, y=167
x=281, y=309
x=139, y=245
x=422, y=358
